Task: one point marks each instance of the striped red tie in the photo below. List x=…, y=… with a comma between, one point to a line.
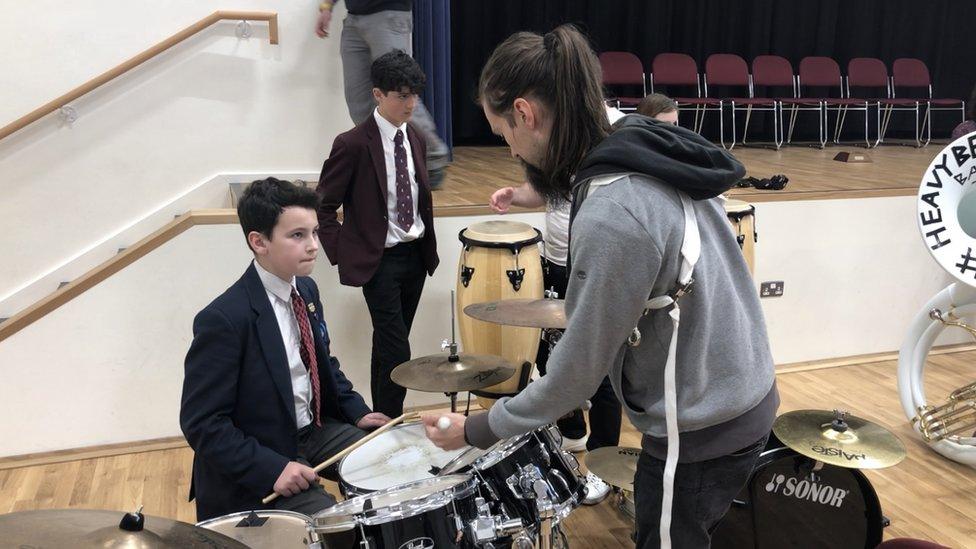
x=307, y=350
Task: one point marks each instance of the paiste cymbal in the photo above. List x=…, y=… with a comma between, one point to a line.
x=616, y=465
x=840, y=439
x=439, y=374
x=525, y=313
x=89, y=528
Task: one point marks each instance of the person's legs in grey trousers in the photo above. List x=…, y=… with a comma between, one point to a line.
x=366, y=37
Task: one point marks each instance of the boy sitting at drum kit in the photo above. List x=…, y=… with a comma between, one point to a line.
x=262, y=395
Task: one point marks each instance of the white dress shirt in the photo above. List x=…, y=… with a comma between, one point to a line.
x=394, y=233
x=279, y=294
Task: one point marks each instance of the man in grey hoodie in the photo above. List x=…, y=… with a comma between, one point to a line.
x=645, y=215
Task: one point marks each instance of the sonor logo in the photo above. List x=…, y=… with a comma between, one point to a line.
x=837, y=452
x=806, y=490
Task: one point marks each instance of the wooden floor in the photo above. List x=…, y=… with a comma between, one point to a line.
x=926, y=496
x=894, y=171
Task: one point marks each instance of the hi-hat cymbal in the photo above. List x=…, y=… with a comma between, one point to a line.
x=84, y=528
x=840, y=439
x=439, y=374
x=526, y=313
x=616, y=465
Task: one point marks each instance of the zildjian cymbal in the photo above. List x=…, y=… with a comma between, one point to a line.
x=837, y=438
x=526, y=313
x=445, y=373
x=616, y=465
x=89, y=528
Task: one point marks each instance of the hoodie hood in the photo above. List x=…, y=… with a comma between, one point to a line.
x=676, y=156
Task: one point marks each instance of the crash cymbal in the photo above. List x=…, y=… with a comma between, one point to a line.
x=838, y=438
x=526, y=313
x=440, y=374
x=616, y=465
x=89, y=528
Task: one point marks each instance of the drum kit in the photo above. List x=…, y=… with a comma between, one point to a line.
x=402, y=492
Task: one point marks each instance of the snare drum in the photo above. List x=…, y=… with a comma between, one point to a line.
x=427, y=514
x=267, y=529
x=499, y=260
x=742, y=216
x=401, y=455
x=509, y=472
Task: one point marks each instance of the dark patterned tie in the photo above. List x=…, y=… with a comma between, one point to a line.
x=307, y=350
x=404, y=197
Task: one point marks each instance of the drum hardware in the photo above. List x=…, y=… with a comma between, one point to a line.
x=85, y=528
x=838, y=438
x=516, y=275
x=487, y=527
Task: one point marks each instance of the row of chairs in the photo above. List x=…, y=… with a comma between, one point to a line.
x=868, y=74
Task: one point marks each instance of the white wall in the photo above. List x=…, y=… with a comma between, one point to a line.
x=107, y=366
x=211, y=105
x=855, y=271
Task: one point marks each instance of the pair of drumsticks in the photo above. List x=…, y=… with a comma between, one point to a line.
x=442, y=423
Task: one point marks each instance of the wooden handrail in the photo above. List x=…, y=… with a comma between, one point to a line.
x=125, y=258
x=51, y=106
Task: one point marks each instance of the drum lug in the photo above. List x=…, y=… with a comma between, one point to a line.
x=466, y=274
x=487, y=527
x=515, y=277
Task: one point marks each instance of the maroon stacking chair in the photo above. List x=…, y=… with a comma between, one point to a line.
x=870, y=72
x=621, y=68
x=774, y=71
x=914, y=73
x=727, y=69
x=823, y=72
x=679, y=69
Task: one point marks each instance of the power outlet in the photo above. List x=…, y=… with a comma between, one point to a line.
x=773, y=288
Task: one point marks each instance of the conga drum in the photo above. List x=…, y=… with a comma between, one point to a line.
x=499, y=260
x=742, y=216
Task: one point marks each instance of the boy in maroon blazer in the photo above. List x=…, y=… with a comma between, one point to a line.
x=385, y=243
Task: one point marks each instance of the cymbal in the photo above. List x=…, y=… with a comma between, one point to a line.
x=838, y=438
x=616, y=465
x=84, y=528
x=438, y=374
x=526, y=313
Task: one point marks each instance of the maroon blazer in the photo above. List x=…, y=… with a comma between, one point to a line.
x=354, y=177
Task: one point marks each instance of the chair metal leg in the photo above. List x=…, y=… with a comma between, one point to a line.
x=778, y=125
x=822, y=112
x=745, y=128
x=793, y=113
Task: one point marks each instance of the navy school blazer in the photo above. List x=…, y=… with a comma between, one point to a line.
x=237, y=410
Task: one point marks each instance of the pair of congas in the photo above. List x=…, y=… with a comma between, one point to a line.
x=500, y=260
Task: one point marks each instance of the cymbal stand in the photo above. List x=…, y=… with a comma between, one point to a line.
x=453, y=357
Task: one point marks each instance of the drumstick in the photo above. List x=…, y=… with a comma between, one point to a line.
x=392, y=423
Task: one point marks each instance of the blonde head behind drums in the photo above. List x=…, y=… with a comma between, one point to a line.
x=499, y=260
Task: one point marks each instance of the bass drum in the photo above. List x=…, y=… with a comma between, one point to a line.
x=785, y=505
x=499, y=260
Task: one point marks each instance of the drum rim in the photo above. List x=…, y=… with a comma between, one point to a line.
x=259, y=512
x=512, y=245
x=501, y=450
x=327, y=521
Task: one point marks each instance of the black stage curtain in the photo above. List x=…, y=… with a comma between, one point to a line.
x=936, y=31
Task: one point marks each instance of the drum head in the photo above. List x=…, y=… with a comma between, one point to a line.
x=395, y=503
x=499, y=231
x=401, y=455
x=782, y=506
x=271, y=529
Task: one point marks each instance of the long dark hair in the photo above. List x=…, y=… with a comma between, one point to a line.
x=560, y=71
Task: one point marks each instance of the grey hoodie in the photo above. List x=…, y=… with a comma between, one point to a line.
x=624, y=248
